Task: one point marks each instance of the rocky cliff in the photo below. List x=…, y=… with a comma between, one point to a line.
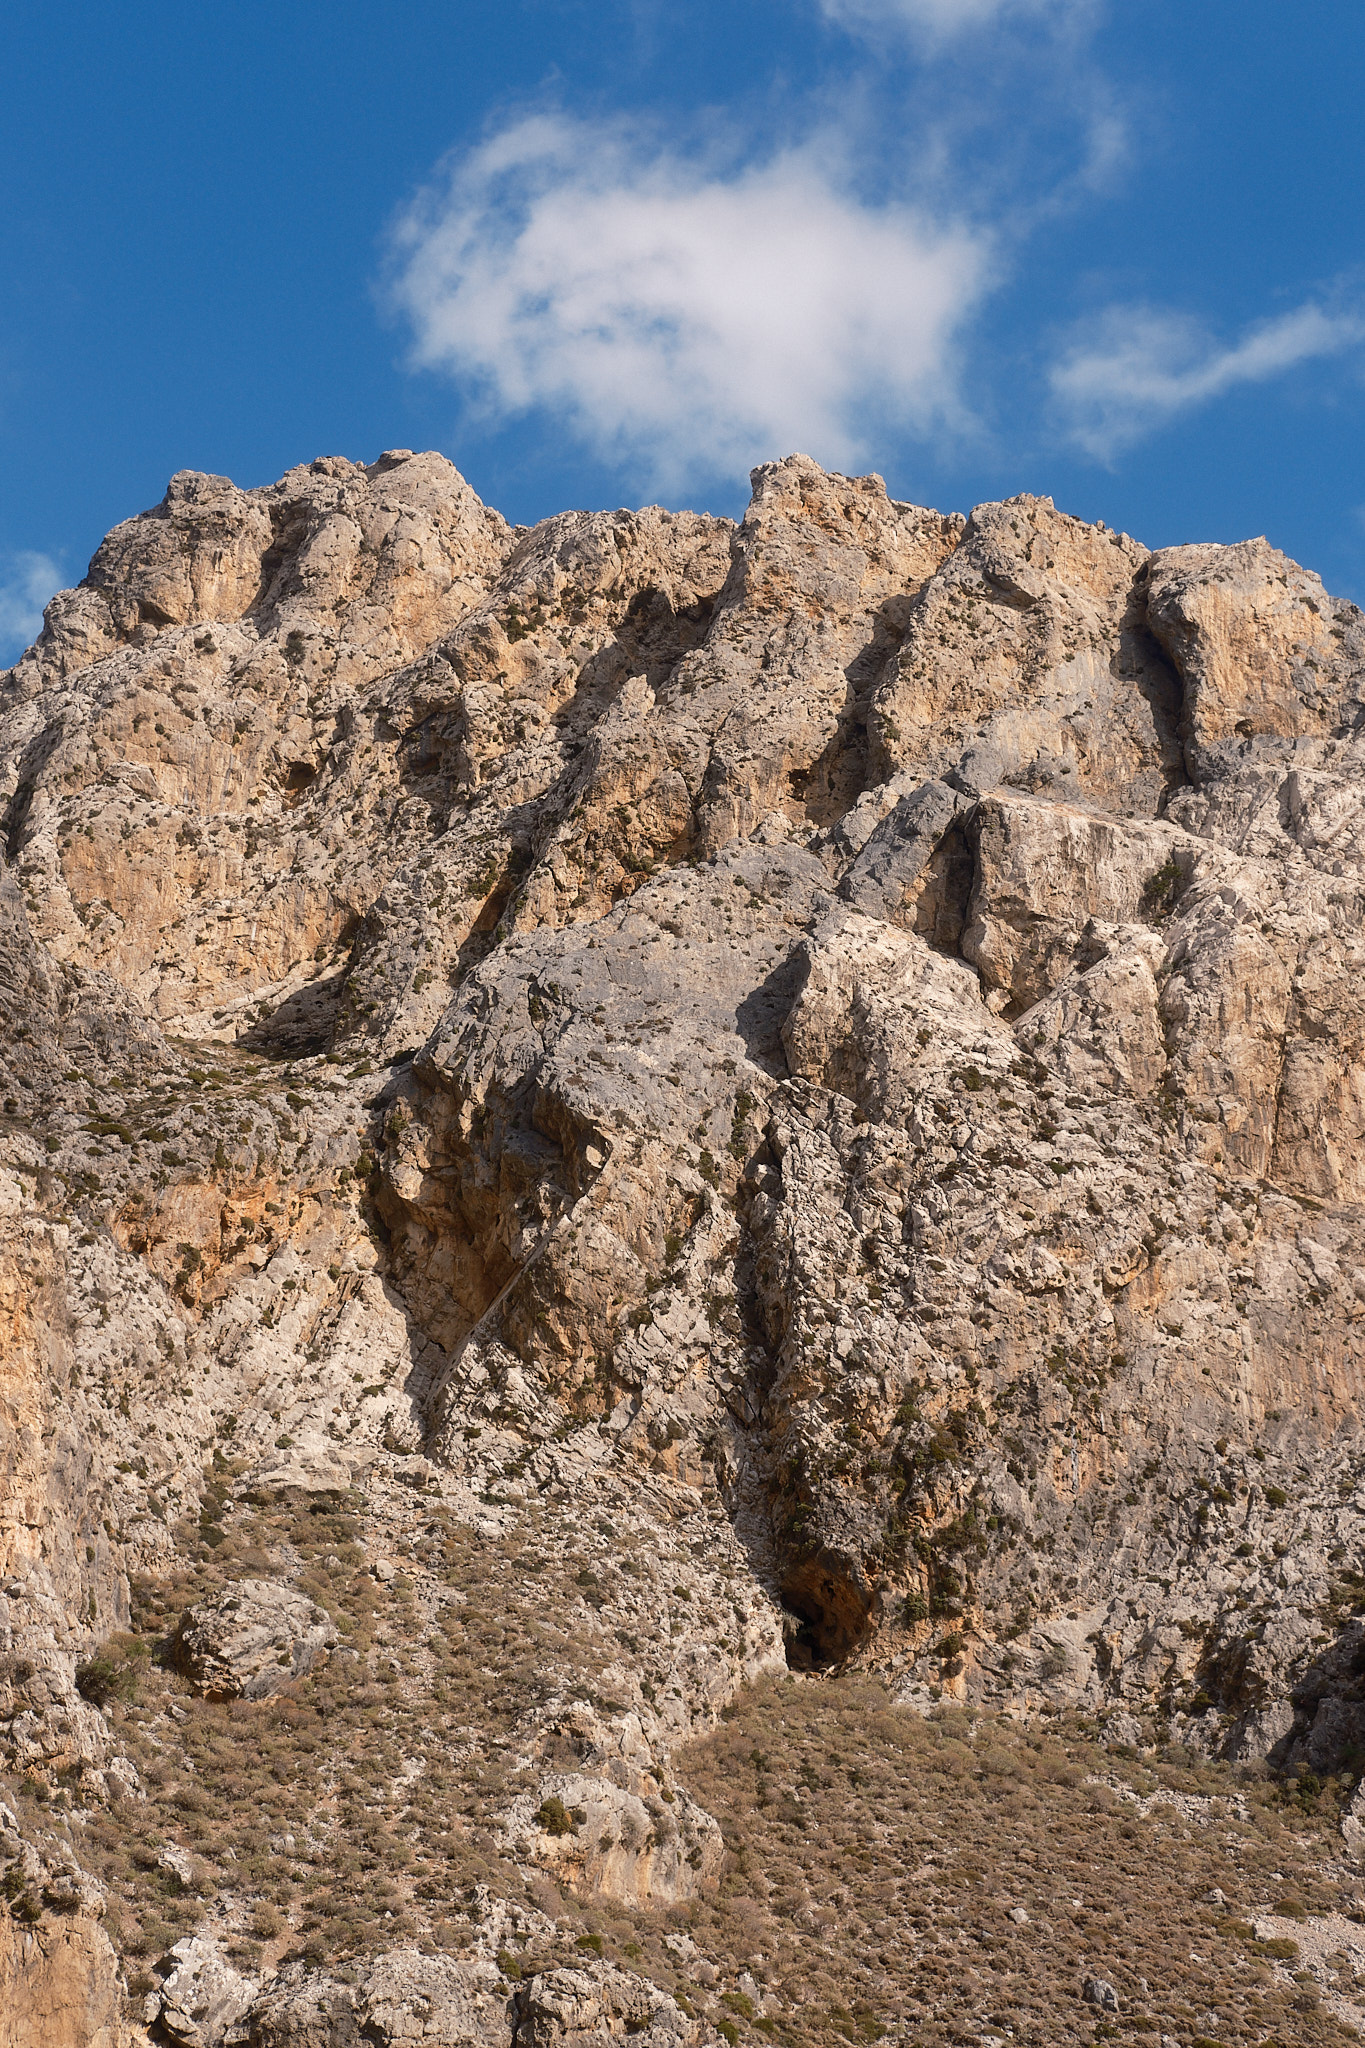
x=606, y=1122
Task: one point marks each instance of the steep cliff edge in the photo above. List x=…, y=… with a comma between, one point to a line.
x=598, y=1115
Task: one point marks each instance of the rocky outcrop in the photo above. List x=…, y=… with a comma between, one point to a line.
x=60, y=1986
x=405, y=1998
x=46, y=1601
x=225, y=643
x=1030, y=661
x=841, y=1032
x=252, y=1640
x=1261, y=649
x=201, y=1999
x=581, y=2008
x=615, y=1842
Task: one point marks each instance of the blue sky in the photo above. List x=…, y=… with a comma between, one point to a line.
x=607, y=253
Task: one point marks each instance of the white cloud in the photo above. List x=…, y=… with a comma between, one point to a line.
x=942, y=21
x=1138, y=367
x=681, y=318
x=27, y=581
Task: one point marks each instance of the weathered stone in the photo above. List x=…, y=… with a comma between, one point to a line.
x=60, y=1987
x=850, y=1026
x=1262, y=650
x=1099, y=1991
x=589, y=2006
x=202, y=1998
x=606, y=1840
x=401, y=2000
x=258, y=1636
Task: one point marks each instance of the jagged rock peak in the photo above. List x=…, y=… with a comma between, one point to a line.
x=595, y=1116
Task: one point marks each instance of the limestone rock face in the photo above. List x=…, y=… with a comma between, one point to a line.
x=252, y=1640
x=1262, y=650
x=225, y=643
x=582, y=2008
x=608, y=1841
x=403, y=2000
x=804, y=1080
x=202, y=1998
x=381, y=554
x=44, y=1466
x=1030, y=661
x=60, y=1987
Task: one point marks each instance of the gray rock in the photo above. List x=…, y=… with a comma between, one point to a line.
x=1099, y=1991
x=590, y=2006
x=177, y=1861
x=1261, y=1731
x=888, y=877
x=403, y=2000
x=1123, y=1730
x=432, y=2000
x=256, y=1637
x=202, y=2000
x=1353, y=1823
x=311, y=1465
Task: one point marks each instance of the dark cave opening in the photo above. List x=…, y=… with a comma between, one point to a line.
x=834, y=1617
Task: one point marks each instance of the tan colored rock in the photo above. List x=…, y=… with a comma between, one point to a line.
x=814, y=1058
x=606, y=1840
x=825, y=570
x=1260, y=646
x=60, y=1987
x=1028, y=661
x=1043, y=872
x=48, y=1594
x=221, y=688
x=374, y=551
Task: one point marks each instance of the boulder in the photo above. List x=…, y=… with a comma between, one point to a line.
x=1099, y=1991
x=251, y=1640
x=590, y=2006
x=406, y=2000
x=203, y=1997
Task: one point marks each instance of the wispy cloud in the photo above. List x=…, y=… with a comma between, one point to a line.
x=678, y=316
x=27, y=581
x=939, y=22
x=1137, y=367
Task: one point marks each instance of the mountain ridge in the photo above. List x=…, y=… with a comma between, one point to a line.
x=842, y=1030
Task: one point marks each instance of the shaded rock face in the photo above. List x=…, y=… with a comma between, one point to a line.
x=849, y=1025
